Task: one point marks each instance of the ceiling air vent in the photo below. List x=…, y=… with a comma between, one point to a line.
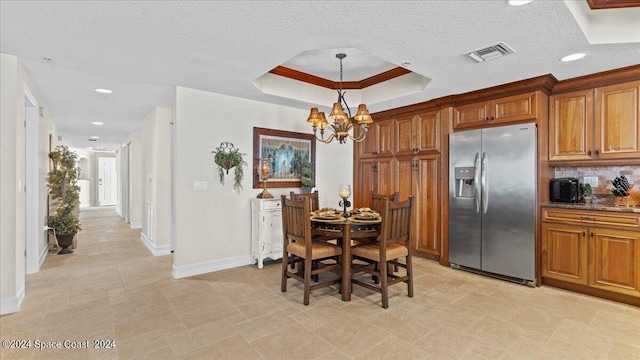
x=92, y=139
x=490, y=52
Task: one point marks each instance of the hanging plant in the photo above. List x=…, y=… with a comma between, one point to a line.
x=228, y=157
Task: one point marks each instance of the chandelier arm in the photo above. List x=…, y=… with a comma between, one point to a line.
x=327, y=140
x=361, y=136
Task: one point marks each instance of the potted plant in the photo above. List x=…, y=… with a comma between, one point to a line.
x=306, y=177
x=228, y=157
x=61, y=181
x=586, y=193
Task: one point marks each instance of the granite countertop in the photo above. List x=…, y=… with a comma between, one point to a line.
x=592, y=207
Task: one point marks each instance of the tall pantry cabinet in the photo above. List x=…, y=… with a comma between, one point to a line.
x=402, y=153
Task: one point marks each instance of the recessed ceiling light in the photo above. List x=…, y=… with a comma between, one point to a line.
x=406, y=63
x=573, y=57
x=97, y=123
x=47, y=59
x=95, y=137
x=519, y=2
x=104, y=91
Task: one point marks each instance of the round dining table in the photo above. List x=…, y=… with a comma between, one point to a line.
x=346, y=230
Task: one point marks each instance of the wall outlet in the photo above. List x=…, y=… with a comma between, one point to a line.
x=591, y=180
x=200, y=186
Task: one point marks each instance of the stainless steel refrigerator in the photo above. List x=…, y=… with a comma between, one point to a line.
x=492, y=201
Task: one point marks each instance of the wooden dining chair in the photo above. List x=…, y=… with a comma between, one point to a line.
x=299, y=247
x=376, y=204
x=315, y=205
x=377, y=200
x=394, y=243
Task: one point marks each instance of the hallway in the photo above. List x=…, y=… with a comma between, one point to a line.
x=112, y=289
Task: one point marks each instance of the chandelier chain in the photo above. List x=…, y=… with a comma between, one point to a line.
x=342, y=124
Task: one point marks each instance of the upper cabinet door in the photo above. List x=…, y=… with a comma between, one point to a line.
x=379, y=140
x=405, y=136
x=570, y=124
x=514, y=108
x=617, y=131
x=427, y=132
x=471, y=116
x=418, y=134
x=521, y=107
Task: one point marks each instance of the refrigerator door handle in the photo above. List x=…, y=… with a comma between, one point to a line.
x=485, y=184
x=476, y=181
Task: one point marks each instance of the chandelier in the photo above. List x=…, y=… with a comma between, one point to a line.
x=342, y=123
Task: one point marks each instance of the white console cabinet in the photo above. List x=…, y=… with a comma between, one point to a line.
x=266, y=230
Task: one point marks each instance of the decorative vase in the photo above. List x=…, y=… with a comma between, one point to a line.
x=65, y=242
x=306, y=189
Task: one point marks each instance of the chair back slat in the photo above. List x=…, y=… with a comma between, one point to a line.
x=313, y=196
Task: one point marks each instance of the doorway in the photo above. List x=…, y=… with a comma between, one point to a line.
x=124, y=181
x=107, y=181
x=33, y=231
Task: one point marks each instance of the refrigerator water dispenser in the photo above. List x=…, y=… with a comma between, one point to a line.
x=464, y=182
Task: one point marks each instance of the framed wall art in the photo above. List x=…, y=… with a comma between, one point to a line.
x=286, y=152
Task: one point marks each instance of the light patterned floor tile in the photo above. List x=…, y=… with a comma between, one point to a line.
x=112, y=288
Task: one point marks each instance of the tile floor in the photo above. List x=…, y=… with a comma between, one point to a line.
x=111, y=288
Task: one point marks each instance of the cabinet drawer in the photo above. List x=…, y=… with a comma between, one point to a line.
x=271, y=205
x=600, y=218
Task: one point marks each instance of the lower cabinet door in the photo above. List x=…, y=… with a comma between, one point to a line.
x=564, y=253
x=615, y=260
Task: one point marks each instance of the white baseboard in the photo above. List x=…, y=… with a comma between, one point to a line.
x=119, y=212
x=136, y=225
x=180, y=272
x=155, y=250
x=43, y=255
x=12, y=305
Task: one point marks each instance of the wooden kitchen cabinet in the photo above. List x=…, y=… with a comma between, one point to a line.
x=412, y=169
x=564, y=253
x=417, y=134
x=570, y=126
x=375, y=175
x=595, y=124
x=379, y=140
x=418, y=177
x=596, y=249
x=615, y=260
x=617, y=121
x=522, y=107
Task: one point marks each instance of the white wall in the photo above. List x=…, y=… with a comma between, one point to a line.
x=156, y=180
x=213, y=227
x=12, y=282
x=12, y=235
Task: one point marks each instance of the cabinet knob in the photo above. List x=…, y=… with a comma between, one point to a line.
x=583, y=234
x=589, y=152
x=597, y=152
x=591, y=234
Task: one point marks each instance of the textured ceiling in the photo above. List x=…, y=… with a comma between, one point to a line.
x=142, y=49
